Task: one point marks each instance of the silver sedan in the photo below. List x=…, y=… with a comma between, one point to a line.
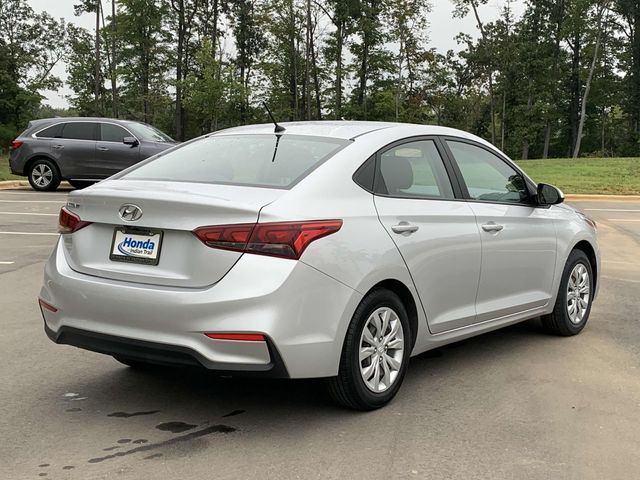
x=321, y=249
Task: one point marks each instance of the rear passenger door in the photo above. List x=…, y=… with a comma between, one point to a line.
x=518, y=236
x=75, y=150
x=435, y=232
x=112, y=154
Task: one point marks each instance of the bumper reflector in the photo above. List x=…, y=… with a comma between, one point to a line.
x=242, y=337
x=47, y=306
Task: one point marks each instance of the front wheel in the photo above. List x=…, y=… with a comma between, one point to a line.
x=375, y=354
x=573, y=305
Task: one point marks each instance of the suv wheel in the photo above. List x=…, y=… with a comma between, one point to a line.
x=573, y=305
x=80, y=184
x=44, y=176
x=375, y=354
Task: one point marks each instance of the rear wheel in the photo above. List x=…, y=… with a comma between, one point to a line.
x=44, y=175
x=80, y=184
x=375, y=354
x=573, y=305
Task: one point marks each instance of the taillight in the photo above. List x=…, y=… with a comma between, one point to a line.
x=16, y=144
x=241, y=337
x=69, y=222
x=278, y=239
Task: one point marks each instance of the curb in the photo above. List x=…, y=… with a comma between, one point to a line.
x=8, y=184
x=579, y=196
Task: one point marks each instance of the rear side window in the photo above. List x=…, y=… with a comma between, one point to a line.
x=112, y=133
x=414, y=170
x=251, y=160
x=79, y=131
x=54, y=131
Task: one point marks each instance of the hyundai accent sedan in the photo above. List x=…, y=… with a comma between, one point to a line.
x=321, y=249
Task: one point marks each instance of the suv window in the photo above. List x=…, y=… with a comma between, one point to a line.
x=414, y=169
x=487, y=176
x=79, y=131
x=54, y=131
x=112, y=133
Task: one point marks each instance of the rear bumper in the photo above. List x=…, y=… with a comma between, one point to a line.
x=303, y=312
x=159, y=353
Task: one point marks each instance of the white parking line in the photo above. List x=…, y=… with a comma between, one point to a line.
x=34, y=201
x=28, y=233
x=29, y=213
x=7, y=263
x=623, y=219
x=611, y=210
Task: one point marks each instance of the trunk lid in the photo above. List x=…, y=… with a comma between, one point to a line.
x=175, y=209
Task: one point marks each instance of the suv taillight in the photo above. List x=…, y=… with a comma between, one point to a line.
x=277, y=239
x=16, y=144
x=69, y=222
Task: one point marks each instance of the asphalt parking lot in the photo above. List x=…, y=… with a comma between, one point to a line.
x=511, y=404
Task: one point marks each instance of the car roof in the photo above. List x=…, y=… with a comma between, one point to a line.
x=344, y=129
x=80, y=119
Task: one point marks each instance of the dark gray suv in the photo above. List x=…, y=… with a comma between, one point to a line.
x=82, y=150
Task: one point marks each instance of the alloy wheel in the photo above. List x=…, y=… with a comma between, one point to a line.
x=578, y=293
x=42, y=175
x=381, y=349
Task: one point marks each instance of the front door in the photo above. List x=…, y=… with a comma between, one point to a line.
x=112, y=154
x=435, y=233
x=518, y=237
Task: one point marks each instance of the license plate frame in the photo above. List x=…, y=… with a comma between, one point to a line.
x=141, y=260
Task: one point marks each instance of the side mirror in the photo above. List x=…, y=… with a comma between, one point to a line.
x=133, y=141
x=549, y=195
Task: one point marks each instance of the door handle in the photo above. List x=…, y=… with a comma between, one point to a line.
x=103, y=149
x=404, y=227
x=492, y=227
x=58, y=147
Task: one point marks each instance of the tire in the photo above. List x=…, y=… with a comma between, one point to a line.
x=80, y=184
x=44, y=175
x=561, y=321
x=349, y=388
x=135, y=364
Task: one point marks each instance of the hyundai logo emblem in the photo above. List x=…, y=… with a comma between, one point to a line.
x=130, y=213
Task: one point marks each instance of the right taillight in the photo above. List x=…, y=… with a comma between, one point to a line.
x=276, y=239
x=69, y=222
x=16, y=144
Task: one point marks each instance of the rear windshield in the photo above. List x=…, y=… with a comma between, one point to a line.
x=250, y=160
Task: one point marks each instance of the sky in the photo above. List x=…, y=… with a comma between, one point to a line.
x=442, y=30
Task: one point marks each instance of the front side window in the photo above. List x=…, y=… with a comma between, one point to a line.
x=148, y=133
x=79, y=131
x=112, y=133
x=487, y=176
x=414, y=169
x=251, y=160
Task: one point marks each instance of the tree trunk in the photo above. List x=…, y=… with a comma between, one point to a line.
x=179, y=9
x=114, y=63
x=583, y=111
x=339, y=46
x=491, y=106
x=97, y=55
x=547, y=141
x=316, y=82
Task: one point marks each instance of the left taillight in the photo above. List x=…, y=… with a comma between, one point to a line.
x=276, y=239
x=16, y=144
x=69, y=222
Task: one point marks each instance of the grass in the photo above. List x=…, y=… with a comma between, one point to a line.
x=5, y=173
x=612, y=176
